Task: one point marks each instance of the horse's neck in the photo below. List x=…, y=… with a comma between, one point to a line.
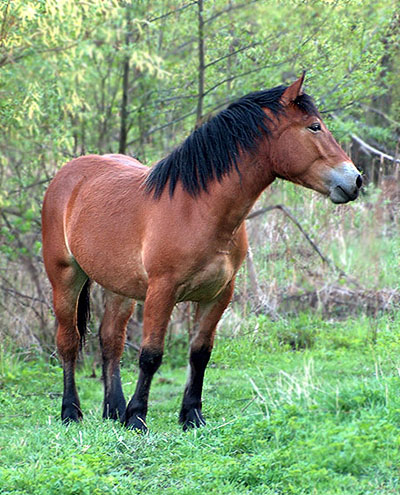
x=234, y=197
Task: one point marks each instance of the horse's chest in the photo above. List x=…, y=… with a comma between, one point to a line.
x=207, y=282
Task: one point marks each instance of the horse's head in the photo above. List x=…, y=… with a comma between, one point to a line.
x=306, y=153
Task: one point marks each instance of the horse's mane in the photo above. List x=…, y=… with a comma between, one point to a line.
x=212, y=150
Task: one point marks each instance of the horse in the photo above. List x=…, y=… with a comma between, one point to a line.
x=175, y=232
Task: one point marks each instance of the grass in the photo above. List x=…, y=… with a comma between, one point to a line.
x=323, y=419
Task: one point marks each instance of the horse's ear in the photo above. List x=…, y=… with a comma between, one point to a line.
x=293, y=91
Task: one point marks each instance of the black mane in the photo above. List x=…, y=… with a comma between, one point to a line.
x=212, y=150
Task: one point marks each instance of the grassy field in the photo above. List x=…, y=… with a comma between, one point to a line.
x=322, y=419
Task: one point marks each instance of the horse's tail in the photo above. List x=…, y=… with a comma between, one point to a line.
x=83, y=311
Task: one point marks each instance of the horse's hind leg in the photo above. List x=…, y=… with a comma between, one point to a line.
x=67, y=287
x=112, y=339
x=206, y=320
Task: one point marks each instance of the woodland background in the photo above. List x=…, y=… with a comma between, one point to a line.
x=136, y=77
x=302, y=391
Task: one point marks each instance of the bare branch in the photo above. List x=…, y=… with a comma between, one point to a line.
x=34, y=184
x=343, y=107
x=159, y=128
x=153, y=19
x=261, y=299
x=290, y=215
x=382, y=114
x=18, y=294
x=27, y=259
x=232, y=53
x=373, y=150
x=237, y=76
x=229, y=9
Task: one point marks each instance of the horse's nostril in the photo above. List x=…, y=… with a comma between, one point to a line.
x=359, y=181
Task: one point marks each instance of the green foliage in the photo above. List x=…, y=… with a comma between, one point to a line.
x=109, y=76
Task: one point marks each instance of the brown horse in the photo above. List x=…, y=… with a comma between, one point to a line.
x=175, y=232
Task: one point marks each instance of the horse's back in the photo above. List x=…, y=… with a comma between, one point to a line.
x=126, y=160
x=90, y=167
x=81, y=173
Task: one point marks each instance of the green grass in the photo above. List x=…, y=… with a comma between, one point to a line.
x=323, y=419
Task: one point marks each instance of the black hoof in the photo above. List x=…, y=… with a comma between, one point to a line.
x=192, y=419
x=135, y=422
x=114, y=414
x=71, y=414
x=111, y=411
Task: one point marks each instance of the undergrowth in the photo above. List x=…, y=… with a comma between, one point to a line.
x=304, y=406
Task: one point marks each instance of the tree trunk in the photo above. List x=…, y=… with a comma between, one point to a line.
x=200, y=97
x=123, y=133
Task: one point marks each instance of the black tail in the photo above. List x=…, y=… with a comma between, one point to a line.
x=83, y=311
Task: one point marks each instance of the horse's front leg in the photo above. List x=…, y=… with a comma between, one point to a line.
x=206, y=320
x=160, y=300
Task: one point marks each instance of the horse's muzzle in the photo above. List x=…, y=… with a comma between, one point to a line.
x=345, y=182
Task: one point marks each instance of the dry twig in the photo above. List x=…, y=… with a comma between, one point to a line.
x=290, y=215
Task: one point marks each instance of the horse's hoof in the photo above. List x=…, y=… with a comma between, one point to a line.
x=71, y=414
x=192, y=419
x=115, y=413
x=135, y=422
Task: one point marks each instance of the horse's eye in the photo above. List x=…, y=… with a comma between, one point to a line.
x=315, y=127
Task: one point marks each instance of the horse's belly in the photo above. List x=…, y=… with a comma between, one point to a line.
x=128, y=279
x=206, y=284
x=133, y=286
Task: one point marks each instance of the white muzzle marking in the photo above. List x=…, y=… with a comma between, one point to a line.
x=344, y=183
